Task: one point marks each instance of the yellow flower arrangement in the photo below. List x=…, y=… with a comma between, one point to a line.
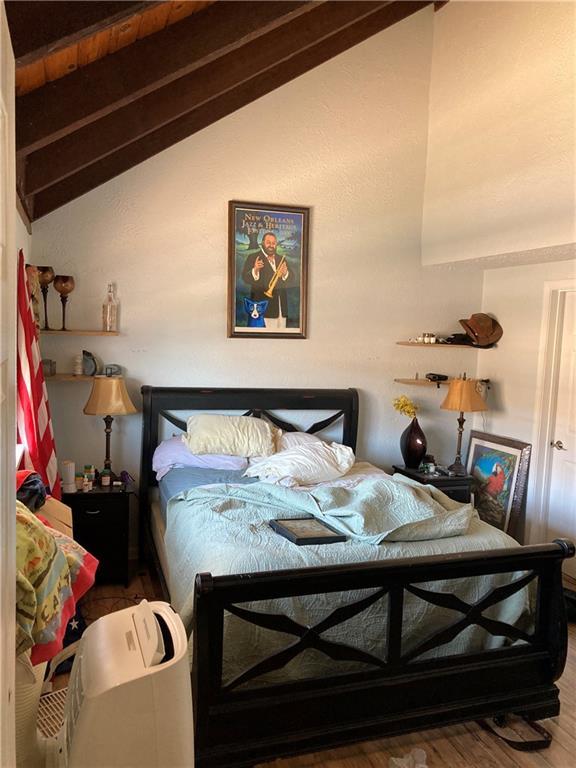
x=405, y=406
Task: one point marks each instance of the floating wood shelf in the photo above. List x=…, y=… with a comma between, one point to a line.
x=423, y=382
x=79, y=333
x=436, y=345
x=68, y=377
x=428, y=383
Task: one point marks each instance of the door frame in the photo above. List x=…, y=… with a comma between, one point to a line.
x=8, y=397
x=547, y=395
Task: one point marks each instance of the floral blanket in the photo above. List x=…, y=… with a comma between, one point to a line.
x=52, y=574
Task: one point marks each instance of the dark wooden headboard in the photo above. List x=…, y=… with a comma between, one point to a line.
x=161, y=403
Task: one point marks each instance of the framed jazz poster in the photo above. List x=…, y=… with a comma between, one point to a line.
x=267, y=270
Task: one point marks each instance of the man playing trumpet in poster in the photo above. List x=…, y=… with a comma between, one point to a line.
x=268, y=276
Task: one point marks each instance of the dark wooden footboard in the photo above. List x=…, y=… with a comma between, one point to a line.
x=240, y=726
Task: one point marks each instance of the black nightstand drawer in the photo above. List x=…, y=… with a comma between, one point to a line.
x=458, y=488
x=457, y=492
x=102, y=525
x=92, y=505
x=104, y=533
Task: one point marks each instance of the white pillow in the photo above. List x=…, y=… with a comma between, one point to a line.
x=305, y=464
x=285, y=441
x=290, y=440
x=174, y=453
x=230, y=435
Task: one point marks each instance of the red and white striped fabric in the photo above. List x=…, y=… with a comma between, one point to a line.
x=33, y=412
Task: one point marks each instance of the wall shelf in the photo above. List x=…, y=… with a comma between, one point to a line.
x=67, y=377
x=79, y=333
x=428, y=383
x=436, y=345
x=423, y=382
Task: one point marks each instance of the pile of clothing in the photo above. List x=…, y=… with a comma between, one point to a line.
x=52, y=573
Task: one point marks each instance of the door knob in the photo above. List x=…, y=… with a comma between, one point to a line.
x=559, y=445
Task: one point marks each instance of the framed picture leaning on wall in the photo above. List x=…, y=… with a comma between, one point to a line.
x=499, y=466
x=267, y=270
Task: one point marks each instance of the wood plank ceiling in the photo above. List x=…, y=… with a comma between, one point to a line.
x=102, y=86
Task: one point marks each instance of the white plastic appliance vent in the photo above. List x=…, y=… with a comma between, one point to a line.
x=129, y=701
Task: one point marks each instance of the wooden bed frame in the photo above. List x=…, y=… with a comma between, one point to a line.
x=236, y=726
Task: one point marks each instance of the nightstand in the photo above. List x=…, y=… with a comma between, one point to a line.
x=102, y=525
x=458, y=488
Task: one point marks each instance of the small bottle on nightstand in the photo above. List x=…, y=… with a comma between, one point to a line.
x=110, y=311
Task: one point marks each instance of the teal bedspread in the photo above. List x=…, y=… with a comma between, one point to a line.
x=225, y=530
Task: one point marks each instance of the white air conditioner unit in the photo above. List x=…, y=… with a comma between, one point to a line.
x=129, y=701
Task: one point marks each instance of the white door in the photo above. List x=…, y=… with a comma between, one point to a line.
x=7, y=396
x=562, y=503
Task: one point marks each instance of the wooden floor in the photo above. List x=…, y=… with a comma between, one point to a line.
x=459, y=746
x=101, y=600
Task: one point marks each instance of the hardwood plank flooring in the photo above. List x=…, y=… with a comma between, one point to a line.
x=456, y=746
x=107, y=598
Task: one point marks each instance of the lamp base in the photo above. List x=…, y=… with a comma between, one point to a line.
x=107, y=462
x=457, y=468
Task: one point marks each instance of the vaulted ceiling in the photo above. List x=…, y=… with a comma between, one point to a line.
x=102, y=86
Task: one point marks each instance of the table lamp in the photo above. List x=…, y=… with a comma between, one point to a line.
x=463, y=397
x=109, y=398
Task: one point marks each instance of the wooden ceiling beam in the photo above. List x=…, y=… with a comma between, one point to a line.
x=97, y=140
x=38, y=29
x=382, y=16
x=92, y=92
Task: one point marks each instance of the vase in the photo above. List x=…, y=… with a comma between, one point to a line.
x=413, y=445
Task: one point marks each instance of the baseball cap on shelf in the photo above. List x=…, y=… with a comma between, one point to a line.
x=483, y=330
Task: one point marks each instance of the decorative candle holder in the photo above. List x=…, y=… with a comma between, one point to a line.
x=64, y=284
x=45, y=277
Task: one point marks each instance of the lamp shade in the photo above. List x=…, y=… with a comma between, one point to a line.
x=462, y=396
x=109, y=397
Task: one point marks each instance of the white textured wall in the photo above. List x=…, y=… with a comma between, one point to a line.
x=23, y=239
x=347, y=139
x=516, y=296
x=501, y=164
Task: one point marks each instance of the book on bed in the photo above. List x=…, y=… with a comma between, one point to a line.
x=306, y=530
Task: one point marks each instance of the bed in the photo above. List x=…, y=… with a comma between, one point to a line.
x=353, y=650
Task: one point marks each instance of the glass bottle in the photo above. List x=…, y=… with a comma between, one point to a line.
x=110, y=311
